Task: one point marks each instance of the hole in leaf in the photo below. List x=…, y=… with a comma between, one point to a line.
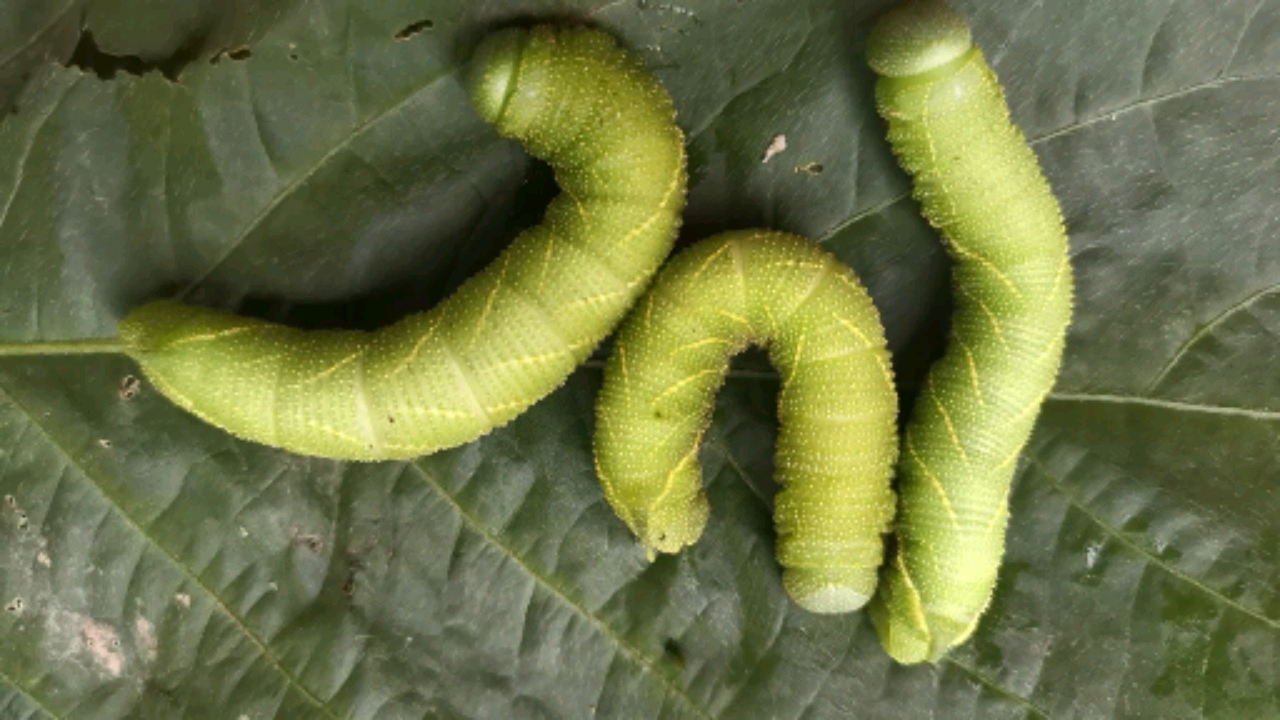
x=311, y=541
x=90, y=58
x=413, y=29
x=129, y=387
x=237, y=54
x=672, y=650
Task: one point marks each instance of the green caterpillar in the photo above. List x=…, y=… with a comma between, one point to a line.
x=837, y=407
x=978, y=182
x=512, y=333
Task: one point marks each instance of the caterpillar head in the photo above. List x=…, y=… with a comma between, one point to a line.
x=676, y=518
x=916, y=37
x=492, y=72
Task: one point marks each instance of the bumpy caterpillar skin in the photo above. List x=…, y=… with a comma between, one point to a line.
x=979, y=183
x=837, y=407
x=512, y=333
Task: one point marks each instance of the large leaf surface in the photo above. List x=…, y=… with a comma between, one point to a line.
x=152, y=567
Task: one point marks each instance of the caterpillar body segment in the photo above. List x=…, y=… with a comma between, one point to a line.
x=510, y=334
x=979, y=183
x=836, y=408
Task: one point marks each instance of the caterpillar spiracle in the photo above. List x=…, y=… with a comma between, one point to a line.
x=837, y=406
x=510, y=334
x=979, y=183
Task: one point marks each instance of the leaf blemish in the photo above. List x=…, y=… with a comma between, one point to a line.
x=310, y=541
x=776, y=145
x=15, y=606
x=412, y=29
x=144, y=631
x=237, y=53
x=129, y=387
x=671, y=649
x=811, y=168
x=103, y=645
x=1091, y=555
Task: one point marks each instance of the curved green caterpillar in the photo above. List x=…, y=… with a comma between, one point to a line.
x=512, y=333
x=978, y=182
x=837, y=407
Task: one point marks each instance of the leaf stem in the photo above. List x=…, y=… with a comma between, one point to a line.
x=88, y=346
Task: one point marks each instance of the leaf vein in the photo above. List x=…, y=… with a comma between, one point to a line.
x=1059, y=485
x=645, y=663
x=289, y=188
x=1269, y=416
x=258, y=643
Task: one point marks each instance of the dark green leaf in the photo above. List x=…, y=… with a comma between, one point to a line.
x=334, y=174
x=32, y=32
